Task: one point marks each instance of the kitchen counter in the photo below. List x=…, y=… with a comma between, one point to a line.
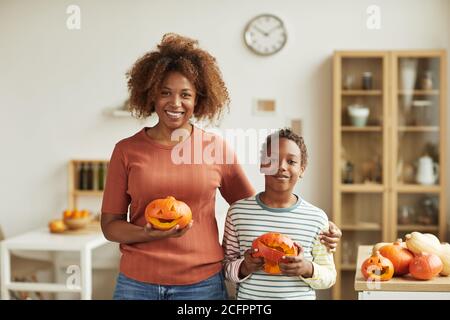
x=401, y=288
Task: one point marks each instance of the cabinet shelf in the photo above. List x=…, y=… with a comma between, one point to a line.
x=362, y=92
x=77, y=161
x=417, y=227
x=361, y=129
x=418, y=129
x=418, y=92
x=417, y=188
x=363, y=188
x=368, y=226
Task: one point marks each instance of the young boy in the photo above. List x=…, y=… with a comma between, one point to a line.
x=277, y=209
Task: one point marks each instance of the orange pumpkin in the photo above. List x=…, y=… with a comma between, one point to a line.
x=67, y=214
x=164, y=214
x=76, y=214
x=377, y=268
x=57, y=226
x=425, y=266
x=399, y=256
x=272, y=247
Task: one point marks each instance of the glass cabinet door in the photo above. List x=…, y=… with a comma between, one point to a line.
x=362, y=121
x=417, y=143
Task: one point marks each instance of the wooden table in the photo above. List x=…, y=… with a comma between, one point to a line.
x=82, y=241
x=398, y=288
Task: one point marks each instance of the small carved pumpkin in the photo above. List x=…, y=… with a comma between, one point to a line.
x=164, y=214
x=377, y=268
x=272, y=247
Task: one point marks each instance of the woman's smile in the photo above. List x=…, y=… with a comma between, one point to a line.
x=174, y=115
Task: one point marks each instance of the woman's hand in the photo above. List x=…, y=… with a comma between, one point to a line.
x=332, y=237
x=175, y=232
x=296, y=265
x=250, y=263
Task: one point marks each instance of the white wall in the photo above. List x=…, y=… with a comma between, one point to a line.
x=55, y=83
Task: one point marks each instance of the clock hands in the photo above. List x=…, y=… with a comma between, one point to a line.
x=267, y=33
x=261, y=31
x=273, y=29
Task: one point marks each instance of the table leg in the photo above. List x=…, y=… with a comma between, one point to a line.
x=5, y=272
x=86, y=274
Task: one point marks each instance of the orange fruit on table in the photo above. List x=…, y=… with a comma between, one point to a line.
x=164, y=214
x=77, y=214
x=57, y=226
x=85, y=213
x=67, y=214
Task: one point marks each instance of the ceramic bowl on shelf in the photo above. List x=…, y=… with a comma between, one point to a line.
x=358, y=115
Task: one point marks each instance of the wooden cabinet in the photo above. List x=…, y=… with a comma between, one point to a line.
x=86, y=179
x=389, y=111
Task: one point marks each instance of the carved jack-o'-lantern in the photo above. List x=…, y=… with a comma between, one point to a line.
x=272, y=247
x=377, y=268
x=164, y=214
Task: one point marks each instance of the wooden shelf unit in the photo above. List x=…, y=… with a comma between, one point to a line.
x=361, y=129
x=362, y=92
x=73, y=180
x=419, y=92
x=394, y=137
x=418, y=227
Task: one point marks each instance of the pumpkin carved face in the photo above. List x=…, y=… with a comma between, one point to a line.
x=164, y=214
x=272, y=247
x=377, y=268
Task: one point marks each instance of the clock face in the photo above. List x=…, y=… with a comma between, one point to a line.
x=265, y=34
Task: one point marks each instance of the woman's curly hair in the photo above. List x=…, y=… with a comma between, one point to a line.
x=180, y=54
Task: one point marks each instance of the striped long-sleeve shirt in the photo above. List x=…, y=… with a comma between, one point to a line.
x=249, y=218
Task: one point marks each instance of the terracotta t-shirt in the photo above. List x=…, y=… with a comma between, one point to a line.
x=141, y=170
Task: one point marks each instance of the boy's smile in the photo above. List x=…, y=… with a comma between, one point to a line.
x=289, y=167
x=281, y=177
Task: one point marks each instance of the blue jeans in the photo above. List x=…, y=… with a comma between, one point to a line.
x=212, y=288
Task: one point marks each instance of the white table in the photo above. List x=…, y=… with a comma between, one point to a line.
x=399, y=288
x=43, y=240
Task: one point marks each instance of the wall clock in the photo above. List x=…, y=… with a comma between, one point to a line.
x=265, y=34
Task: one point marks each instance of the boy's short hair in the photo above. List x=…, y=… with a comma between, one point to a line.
x=287, y=133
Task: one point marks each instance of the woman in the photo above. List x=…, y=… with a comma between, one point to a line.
x=177, y=81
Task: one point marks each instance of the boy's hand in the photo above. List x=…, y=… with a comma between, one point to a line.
x=250, y=263
x=331, y=237
x=296, y=266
